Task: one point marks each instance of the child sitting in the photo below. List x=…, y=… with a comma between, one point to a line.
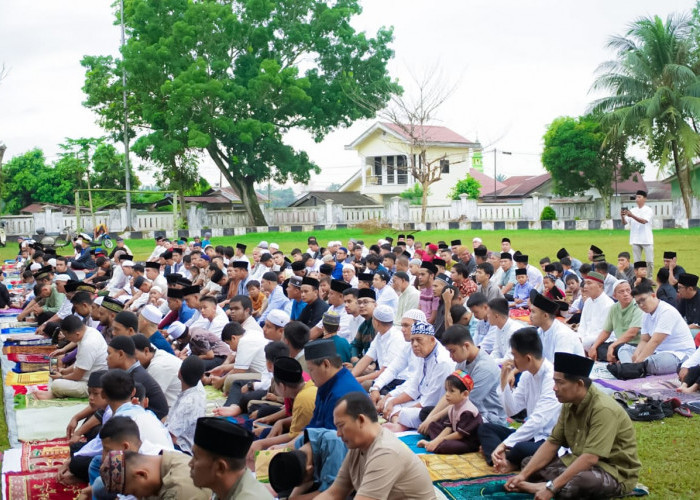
x=331, y=324
x=456, y=433
x=522, y=289
x=550, y=288
x=189, y=405
x=256, y=297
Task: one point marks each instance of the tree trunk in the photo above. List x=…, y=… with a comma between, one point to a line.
x=183, y=209
x=424, y=201
x=683, y=175
x=245, y=189
x=3, y=148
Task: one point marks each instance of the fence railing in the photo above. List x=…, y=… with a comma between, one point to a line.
x=396, y=212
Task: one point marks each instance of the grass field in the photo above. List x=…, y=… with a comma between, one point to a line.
x=667, y=449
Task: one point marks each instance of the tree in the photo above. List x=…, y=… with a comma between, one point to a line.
x=469, y=186
x=230, y=77
x=579, y=157
x=414, y=194
x=655, y=93
x=282, y=197
x=20, y=178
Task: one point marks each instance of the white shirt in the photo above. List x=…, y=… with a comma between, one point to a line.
x=164, y=368
x=559, y=338
x=609, y=285
x=409, y=299
x=386, y=347
x=593, y=316
x=251, y=325
x=536, y=394
x=217, y=324
x=159, y=249
x=162, y=283
x=667, y=320
x=640, y=234
x=117, y=281
x=534, y=277
x=501, y=348
x=387, y=295
x=693, y=360
x=349, y=325
x=426, y=385
x=92, y=353
x=402, y=367
x=250, y=354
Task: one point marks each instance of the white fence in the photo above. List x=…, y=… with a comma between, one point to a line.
x=396, y=212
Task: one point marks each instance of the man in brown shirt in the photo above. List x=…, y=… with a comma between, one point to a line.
x=370, y=467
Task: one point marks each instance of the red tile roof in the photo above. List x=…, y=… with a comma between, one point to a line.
x=431, y=133
x=486, y=182
x=522, y=185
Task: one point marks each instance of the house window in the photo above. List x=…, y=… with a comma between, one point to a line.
x=377, y=173
x=445, y=166
x=402, y=170
x=390, y=170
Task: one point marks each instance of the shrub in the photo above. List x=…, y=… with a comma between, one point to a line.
x=548, y=213
x=469, y=186
x=414, y=194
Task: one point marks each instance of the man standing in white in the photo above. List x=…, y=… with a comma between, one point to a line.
x=641, y=237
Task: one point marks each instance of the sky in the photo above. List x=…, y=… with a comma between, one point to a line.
x=514, y=67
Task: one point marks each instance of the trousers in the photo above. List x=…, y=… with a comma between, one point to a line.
x=593, y=483
x=659, y=363
x=648, y=255
x=491, y=435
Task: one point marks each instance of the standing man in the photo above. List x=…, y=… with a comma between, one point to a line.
x=641, y=237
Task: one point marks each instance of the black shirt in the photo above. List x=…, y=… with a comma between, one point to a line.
x=156, y=399
x=690, y=309
x=313, y=313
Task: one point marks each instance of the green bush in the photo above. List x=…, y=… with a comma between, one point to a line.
x=548, y=213
x=469, y=186
x=414, y=194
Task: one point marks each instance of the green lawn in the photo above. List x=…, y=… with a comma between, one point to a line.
x=667, y=449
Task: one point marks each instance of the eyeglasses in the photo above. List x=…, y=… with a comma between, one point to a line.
x=365, y=302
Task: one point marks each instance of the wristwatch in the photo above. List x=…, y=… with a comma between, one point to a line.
x=550, y=486
x=374, y=388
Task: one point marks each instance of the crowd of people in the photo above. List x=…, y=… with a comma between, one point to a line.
x=331, y=351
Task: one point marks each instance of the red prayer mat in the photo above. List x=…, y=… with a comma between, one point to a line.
x=39, y=485
x=38, y=455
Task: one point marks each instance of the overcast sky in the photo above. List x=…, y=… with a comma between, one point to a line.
x=516, y=65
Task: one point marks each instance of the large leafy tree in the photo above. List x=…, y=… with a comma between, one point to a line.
x=230, y=77
x=578, y=156
x=655, y=93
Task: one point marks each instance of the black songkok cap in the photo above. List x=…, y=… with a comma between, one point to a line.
x=429, y=266
x=366, y=293
x=241, y=247
x=288, y=370
x=669, y=255
x=286, y=470
x=572, y=364
x=689, y=280
x=112, y=305
x=320, y=349
x=298, y=265
x=640, y=263
x=339, y=286
x=222, y=437
x=596, y=250
x=481, y=251
x=175, y=293
x=507, y=256
x=239, y=264
x=562, y=253
x=191, y=290
x=521, y=258
x=152, y=265
x=366, y=277
x=310, y=281
x=541, y=302
x=455, y=243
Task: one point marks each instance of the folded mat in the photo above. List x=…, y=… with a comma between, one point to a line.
x=34, y=378
x=655, y=386
x=35, y=485
x=453, y=467
x=28, y=349
x=28, y=358
x=25, y=367
x=17, y=329
x=479, y=487
x=39, y=455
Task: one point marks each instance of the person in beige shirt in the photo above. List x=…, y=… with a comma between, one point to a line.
x=370, y=467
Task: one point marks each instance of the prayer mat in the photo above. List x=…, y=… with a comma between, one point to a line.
x=28, y=349
x=41, y=424
x=479, y=487
x=23, y=367
x=39, y=485
x=22, y=401
x=660, y=387
x=12, y=311
x=27, y=339
x=442, y=467
x=28, y=358
x=34, y=378
x=262, y=463
x=16, y=330
x=411, y=440
x=39, y=455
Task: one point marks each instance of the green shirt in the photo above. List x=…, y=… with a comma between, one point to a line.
x=601, y=427
x=53, y=302
x=365, y=336
x=620, y=320
x=246, y=488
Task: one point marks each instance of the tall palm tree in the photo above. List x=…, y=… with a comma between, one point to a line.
x=655, y=93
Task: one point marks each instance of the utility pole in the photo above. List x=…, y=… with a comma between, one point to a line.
x=495, y=155
x=127, y=180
